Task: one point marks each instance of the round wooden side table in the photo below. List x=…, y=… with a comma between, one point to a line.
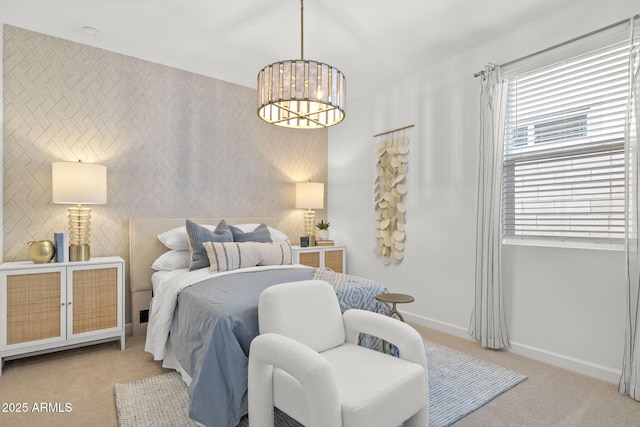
x=395, y=299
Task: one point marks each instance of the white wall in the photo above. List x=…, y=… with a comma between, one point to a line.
x=1, y=146
x=564, y=306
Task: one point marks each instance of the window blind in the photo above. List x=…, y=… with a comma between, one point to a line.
x=563, y=170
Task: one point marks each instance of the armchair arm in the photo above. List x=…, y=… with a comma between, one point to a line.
x=403, y=336
x=269, y=351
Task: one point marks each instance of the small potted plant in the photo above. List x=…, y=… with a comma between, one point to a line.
x=323, y=230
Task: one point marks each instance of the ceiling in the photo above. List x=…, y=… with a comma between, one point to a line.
x=370, y=41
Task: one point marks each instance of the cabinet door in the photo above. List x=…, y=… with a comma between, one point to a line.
x=94, y=299
x=312, y=259
x=333, y=259
x=34, y=312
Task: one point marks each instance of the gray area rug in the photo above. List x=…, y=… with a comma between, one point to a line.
x=458, y=385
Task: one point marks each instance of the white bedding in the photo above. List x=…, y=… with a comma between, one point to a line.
x=166, y=287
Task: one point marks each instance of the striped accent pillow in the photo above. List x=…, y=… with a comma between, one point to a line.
x=226, y=256
x=276, y=253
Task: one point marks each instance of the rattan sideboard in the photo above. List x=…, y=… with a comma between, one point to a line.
x=56, y=306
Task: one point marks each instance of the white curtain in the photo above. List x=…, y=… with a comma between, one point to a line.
x=488, y=324
x=630, y=379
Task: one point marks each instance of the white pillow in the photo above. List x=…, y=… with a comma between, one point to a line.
x=177, y=239
x=276, y=235
x=172, y=260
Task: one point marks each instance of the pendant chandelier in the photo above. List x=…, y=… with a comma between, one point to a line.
x=300, y=93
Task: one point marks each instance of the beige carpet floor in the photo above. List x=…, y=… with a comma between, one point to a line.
x=85, y=378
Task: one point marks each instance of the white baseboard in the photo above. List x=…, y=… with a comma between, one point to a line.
x=437, y=325
x=584, y=367
x=580, y=366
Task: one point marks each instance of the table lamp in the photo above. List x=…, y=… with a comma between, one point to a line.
x=309, y=195
x=79, y=184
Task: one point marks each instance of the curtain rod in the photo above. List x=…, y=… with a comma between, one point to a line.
x=392, y=131
x=575, y=39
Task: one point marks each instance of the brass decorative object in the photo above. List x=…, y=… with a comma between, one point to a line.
x=41, y=251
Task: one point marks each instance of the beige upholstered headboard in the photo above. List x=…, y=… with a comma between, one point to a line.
x=144, y=248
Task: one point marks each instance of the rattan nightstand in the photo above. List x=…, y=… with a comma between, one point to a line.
x=332, y=257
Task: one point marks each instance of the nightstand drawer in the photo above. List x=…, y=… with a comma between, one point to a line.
x=312, y=259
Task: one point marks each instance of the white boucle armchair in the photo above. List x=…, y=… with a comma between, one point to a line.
x=307, y=362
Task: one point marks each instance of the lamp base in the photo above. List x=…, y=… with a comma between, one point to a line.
x=79, y=253
x=310, y=224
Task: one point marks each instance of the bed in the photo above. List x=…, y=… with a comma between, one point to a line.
x=201, y=323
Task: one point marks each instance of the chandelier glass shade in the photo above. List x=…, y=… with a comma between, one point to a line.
x=301, y=93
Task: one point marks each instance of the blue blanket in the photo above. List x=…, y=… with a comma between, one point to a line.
x=215, y=322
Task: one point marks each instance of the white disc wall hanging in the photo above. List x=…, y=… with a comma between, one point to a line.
x=390, y=191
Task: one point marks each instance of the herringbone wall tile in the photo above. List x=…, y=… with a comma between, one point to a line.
x=174, y=143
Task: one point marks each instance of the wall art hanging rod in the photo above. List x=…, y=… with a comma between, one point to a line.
x=392, y=131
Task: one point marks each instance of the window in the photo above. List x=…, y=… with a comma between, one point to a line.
x=561, y=129
x=563, y=170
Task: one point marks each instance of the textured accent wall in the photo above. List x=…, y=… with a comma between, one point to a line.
x=174, y=143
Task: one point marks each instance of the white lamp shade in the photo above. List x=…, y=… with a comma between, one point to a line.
x=78, y=182
x=309, y=195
